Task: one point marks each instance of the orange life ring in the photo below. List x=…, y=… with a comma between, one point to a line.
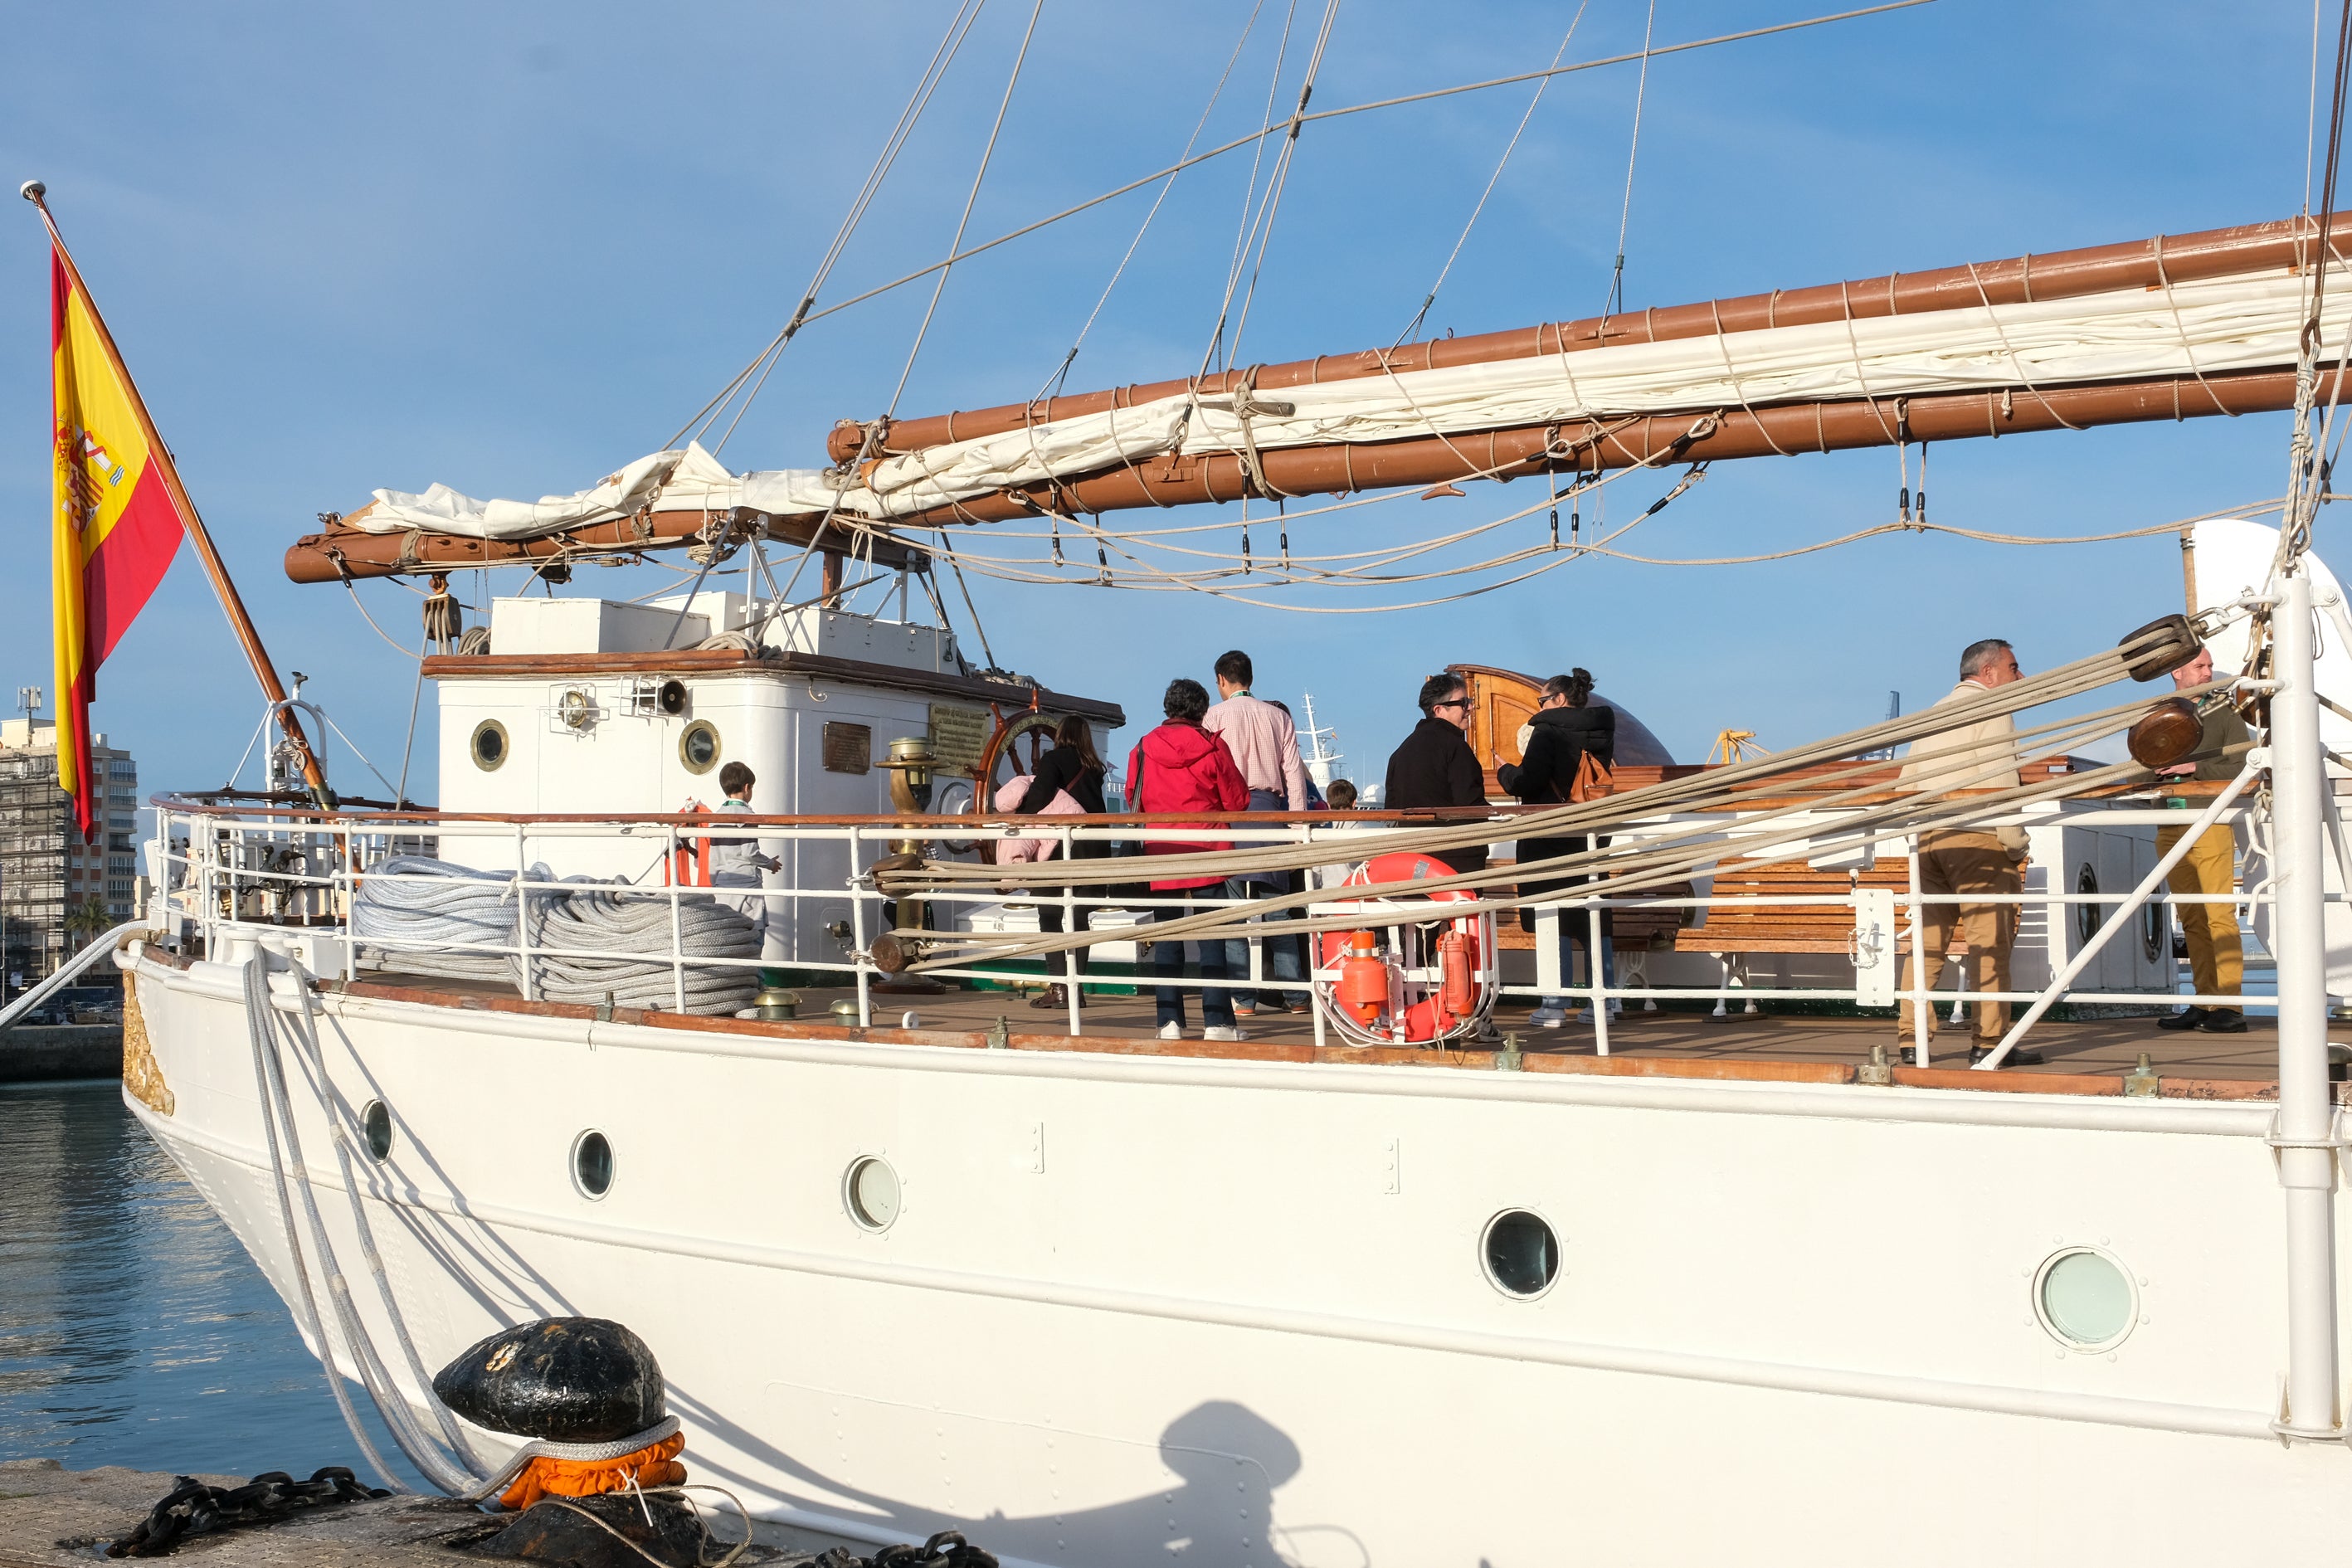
x=1453, y=999
x=689, y=861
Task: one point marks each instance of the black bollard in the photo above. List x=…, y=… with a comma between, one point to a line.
x=568, y=1380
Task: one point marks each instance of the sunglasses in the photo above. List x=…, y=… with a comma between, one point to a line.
x=1452, y=702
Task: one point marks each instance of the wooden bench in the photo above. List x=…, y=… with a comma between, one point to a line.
x=1634, y=934
x=1733, y=933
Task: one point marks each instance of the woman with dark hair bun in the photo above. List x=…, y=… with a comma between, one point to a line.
x=1071, y=768
x=1567, y=728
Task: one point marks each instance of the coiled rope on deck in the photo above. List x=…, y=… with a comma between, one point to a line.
x=591, y=941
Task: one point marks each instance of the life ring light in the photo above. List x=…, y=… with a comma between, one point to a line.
x=1433, y=990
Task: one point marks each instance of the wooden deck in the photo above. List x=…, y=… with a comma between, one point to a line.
x=2107, y=1045
x=2090, y=1057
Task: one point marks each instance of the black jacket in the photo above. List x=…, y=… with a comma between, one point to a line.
x=1562, y=739
x=1063, y=769
x=1436, y=767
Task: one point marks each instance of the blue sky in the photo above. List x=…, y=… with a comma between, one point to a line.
x=511, y=248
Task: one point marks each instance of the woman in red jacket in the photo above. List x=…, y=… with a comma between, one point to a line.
x=1181, y=766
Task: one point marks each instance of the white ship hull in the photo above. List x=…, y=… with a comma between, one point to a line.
x=1160, y=1307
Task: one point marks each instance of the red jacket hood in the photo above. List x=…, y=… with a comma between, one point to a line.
x=1176, y=745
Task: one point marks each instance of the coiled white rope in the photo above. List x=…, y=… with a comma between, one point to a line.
x=610, y=922
x=589, y=941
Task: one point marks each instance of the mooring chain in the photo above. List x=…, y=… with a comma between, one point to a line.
x=194, y=1508
x=946, y=1549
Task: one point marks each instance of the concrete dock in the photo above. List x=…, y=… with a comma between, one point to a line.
x=51, y=1517
x=47, y=1053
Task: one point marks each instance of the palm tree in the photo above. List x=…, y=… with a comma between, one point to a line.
x=86, y=917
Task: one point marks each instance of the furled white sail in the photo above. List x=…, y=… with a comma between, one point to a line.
x=675, y=481
x=2242, y=323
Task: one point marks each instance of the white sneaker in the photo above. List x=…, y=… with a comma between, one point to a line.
x=1171, y=1031
x=1216, y=1034
x=1548, y=1017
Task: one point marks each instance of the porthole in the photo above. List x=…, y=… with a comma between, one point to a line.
x=489, y=747
x=1520, y=1253
x=2088, y=917
x=375, y=1124
x=870, y=1190
x=698, y=748
x=2155, y=929
x=2086, y=1300
x=592, y=1163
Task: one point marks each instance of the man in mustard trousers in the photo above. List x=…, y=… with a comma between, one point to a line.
x=1958, y=861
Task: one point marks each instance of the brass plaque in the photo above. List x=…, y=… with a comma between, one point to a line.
x=848, y=748
x=957, y=737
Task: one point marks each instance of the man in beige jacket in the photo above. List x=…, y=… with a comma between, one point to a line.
x=1978, y=756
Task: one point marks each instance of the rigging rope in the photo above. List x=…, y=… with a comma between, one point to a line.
x=1167, y=186
x=1213, y=353
x=951, y=43
x=1500, y=164
x=1149, y=578
x=1663, y=858
x=1625, y=217
x=1240, y=141
x=987, y=154
x=1281, y=181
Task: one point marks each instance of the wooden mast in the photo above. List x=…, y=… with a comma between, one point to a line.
x=2284, y=246
x=232, y=605
x=1582, y=446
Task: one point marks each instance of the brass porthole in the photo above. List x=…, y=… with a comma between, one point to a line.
x=698, y=746
x=490, y=746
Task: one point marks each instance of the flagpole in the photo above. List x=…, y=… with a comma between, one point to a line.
x=232, y=603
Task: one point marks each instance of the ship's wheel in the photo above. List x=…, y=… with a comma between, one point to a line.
x=1015, y=748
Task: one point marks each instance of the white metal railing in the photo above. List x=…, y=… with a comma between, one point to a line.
x=227, y=870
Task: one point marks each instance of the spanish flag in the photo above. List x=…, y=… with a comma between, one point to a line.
x=115, y=524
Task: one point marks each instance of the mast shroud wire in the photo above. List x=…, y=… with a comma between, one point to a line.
x=1281, y=181
x=1625, y=216
x=1214, y=351
x=987, y=154
x=1492, y=180
x=1345, y=110
x=1167, y=186
x=951, y=43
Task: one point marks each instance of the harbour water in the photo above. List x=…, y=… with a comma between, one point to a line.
x=134, y=1330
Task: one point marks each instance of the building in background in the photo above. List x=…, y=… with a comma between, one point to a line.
x=56, y=892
